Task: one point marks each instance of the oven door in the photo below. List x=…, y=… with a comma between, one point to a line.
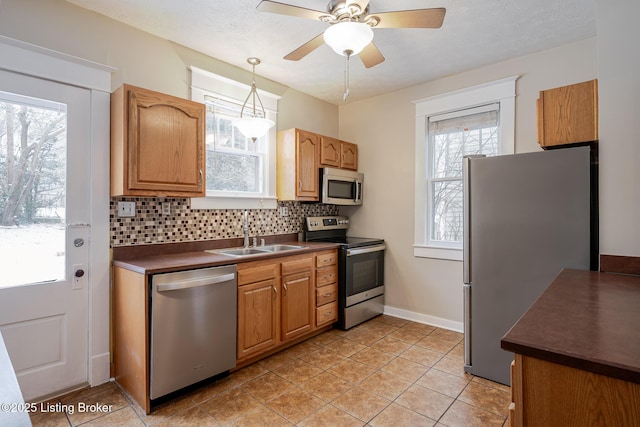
x=364, y=273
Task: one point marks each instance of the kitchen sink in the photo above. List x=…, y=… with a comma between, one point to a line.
x=280, y=248
x=238, y=252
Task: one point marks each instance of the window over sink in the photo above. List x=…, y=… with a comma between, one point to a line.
x=240, y=172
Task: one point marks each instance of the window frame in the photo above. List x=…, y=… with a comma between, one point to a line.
x=205, y=83
x=501, y=91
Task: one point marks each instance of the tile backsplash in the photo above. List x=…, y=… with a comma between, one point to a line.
x=184, y=224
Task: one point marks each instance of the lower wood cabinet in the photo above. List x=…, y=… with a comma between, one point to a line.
x=279, y=301
x=549, y=394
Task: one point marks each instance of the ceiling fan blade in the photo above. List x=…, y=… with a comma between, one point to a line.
x=306, y=48
x=371, y=55
x=287, y=9
x=421, y=18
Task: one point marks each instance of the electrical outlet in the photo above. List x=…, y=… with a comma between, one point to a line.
x=284, y=211
x=126, y=209
x=166, y=208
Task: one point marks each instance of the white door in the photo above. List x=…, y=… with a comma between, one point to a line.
x=44, y=231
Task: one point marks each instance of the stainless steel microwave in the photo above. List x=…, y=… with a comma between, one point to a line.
x=341, y=187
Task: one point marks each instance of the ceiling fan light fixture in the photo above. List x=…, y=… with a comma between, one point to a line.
x=348, y=38
x=256, y=125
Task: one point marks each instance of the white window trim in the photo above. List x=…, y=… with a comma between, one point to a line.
x=206, y=83
x=502, y=91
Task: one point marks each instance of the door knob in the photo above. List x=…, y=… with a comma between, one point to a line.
x=79, y=273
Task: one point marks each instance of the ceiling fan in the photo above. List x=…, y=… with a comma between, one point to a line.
x=350, y=32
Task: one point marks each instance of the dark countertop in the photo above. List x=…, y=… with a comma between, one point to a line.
x=162, y=263
x=586, y=320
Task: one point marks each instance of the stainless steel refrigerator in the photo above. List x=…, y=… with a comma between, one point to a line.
x=527, y=216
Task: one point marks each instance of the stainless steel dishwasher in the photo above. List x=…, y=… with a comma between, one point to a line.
x=193, y=327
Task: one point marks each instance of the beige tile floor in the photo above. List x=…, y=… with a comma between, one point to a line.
x=385, y=372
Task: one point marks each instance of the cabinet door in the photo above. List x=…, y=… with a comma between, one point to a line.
x=349, y=156
x=330, y=152
x=568, y=114
x=297, y=305
x=166, y=144
x=257, y=317
x=307, y=174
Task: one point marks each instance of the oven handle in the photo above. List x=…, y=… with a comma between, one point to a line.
x=377, y=248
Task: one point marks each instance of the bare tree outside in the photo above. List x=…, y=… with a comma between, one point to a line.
x=32, y=184
x=451, y=140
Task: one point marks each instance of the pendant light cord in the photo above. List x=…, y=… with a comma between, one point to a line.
x=347, y=54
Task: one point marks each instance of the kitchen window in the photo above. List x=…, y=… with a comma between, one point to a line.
x=478, y=120
x=240, y=172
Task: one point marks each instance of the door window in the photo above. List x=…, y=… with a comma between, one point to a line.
x=32, y=189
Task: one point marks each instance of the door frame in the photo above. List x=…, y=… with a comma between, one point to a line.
x=24, y=58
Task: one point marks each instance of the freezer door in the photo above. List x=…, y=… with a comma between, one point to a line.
x=529, y=219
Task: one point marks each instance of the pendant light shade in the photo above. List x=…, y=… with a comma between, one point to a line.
x=348, y=38
x=256, y=125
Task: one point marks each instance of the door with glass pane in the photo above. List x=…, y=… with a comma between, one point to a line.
x=44, y=231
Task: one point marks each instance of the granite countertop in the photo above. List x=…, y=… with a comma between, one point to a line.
x=587, y=320
x=162, y=263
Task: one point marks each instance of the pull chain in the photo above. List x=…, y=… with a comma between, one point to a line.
x=347, y=53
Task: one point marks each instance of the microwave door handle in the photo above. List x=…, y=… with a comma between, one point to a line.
x=358, y=191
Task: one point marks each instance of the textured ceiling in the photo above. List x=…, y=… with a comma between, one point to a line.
x=475, y=33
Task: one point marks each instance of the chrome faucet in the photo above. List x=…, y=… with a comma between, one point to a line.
x=246, y=229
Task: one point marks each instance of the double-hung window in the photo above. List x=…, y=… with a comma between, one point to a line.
x=240, y=171
x=479, y=120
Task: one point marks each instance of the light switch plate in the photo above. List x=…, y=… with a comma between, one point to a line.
x=126, y=209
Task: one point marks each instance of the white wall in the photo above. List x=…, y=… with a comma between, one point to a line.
x=384, y=128
x=619, y=99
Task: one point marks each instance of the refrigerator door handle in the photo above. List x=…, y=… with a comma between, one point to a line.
x=466, y=228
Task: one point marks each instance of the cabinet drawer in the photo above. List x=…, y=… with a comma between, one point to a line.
x=256, y=272
x=326, y=294
x=328, y=313
x=297, y=265
x=326, y=276
x=326, y=259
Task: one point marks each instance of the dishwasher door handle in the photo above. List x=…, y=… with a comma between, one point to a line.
x=195, y=283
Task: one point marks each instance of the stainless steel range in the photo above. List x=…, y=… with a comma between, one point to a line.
x=360, y=269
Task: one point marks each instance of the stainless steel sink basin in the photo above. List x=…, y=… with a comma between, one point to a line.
x=238, y=251
x=280, y=248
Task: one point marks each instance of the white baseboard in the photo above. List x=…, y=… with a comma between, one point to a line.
x=423, y=318
x=100, y=369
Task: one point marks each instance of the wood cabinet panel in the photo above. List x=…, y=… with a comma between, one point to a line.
x=297, y=175
x=327, y=314
x=568, y=114
x=326, y=294
x=547, y=393
x=349, y=156
x=330, y=151
x=157, y=144
x=324, y=259
x=338, y=154
x=252, y=272
x=297, y=265
x=130, y=326
x=326, y=275
x=297, y=305
x=257, y=317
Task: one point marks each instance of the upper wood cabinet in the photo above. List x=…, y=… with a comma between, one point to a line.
x=157, y=144
x=339, y=154
x=298, y=162
x=568, y=114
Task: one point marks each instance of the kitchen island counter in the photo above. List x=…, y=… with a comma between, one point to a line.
x=586, y=320
x=577, y=353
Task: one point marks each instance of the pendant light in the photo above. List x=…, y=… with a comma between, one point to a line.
x=255, y=125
